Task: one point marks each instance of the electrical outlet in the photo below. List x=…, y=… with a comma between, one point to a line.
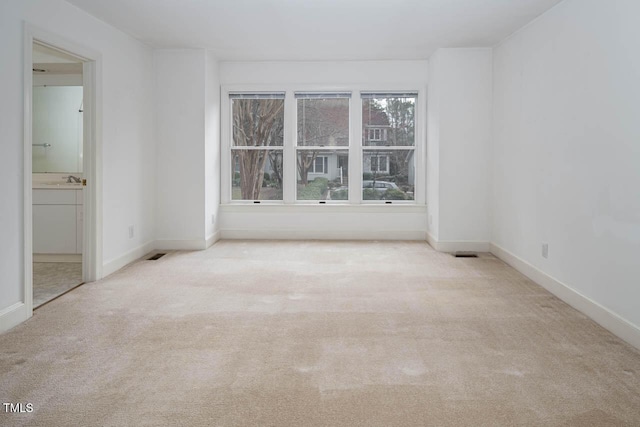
x=131, y=231
x=545, y=250
x=213, y=218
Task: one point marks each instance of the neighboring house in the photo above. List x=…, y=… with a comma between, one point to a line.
x=333, y=164
x=376, y=127
x=380, y=164
x=330, y=165
x=377, y=133
x=325, y=124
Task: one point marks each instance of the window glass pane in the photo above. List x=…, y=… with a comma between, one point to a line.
x=388, y=120
x=258, y=122
x=388, y=175
x=322, y=175
x=323, y=122
x=256, y=174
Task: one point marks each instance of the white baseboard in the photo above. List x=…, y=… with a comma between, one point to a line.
x=181, y=245
x=601, y=315
x=13, y=315
x=456, y=246
x=323, y=234
x=57, y=257
x=213, y=239
x=432, y=241
x=116, y=264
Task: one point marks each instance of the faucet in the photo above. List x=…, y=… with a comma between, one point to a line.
x=71, y=179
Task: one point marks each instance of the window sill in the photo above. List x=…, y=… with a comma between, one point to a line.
x=324, y=208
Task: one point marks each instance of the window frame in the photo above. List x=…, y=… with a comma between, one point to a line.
x=418, y=147
x=355, y=149
x=378, y=157
x=372, y=131
x=334, y=149
x=264, y=148
x=324, y=160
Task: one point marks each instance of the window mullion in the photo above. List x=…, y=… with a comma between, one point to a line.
x=420, y=151
x=355, y=149
x=290, y=134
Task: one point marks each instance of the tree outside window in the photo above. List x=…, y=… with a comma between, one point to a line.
x=258, y=126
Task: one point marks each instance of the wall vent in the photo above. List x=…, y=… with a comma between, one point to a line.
x=155, y=257
x=465, y=254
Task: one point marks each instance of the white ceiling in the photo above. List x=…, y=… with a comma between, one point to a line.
x=317, y=29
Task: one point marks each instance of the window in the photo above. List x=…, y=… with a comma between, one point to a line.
x=321, y=165
x=323, y=134
x=256, y=152
x=388, y=146
x=376, y=134
x=378, y=164
x=301, y=147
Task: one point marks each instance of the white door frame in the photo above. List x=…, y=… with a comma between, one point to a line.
x=92, y=156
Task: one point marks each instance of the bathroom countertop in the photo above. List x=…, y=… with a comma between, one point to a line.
x=55, y=181
x=56, y=186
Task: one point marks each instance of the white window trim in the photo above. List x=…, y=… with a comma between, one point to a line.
x=230, y=148
x=378, y=156
x=325, y=161
x=372, y=131
x=355, y=148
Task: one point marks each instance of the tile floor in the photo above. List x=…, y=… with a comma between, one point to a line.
x=51, y=279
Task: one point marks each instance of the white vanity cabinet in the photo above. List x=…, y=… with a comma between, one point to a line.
x=57, y=221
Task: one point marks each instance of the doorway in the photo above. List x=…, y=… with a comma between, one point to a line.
x=57, y=153
x=62, y=238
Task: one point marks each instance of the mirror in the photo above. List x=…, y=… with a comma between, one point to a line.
x=57, y=127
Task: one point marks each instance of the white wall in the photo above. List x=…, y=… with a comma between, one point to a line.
x=460, y=97
x=324, y=221
x=320, y=73
x=566, y=151
x=212, y=146
x=180, y=117
x=187, y=102
x=364, y=222
x=127, y=132
x=433, y=149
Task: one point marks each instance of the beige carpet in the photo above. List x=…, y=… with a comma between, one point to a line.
x=51, y=279
x=316, y=334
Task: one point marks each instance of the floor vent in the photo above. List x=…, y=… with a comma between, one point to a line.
x=155, y=257
x=464, y=254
